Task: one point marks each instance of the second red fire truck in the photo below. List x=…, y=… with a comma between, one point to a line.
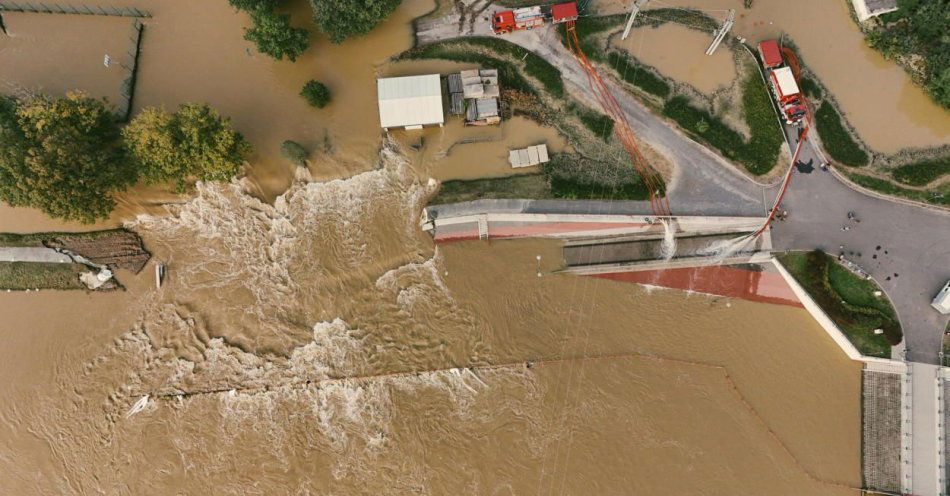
x=782, y=80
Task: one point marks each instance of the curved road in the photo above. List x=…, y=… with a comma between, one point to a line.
x=911, y=265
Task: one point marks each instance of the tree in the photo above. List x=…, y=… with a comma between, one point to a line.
x=193, y=143
x=274, y=36
x=62, y=156
x=341, y=19
x=316, y=93
x=295, y=152
x=252, y=5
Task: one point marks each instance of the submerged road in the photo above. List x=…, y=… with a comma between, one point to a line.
x=911, y=265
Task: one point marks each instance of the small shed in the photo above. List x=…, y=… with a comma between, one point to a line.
x=410, y=102
x=526, y=157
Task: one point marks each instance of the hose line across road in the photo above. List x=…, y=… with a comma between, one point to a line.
x=903, y=247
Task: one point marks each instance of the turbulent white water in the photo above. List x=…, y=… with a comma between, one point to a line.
x=668, y=246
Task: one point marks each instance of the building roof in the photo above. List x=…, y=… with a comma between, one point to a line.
x=410, y=101
x=786, y=81
x=564, y=11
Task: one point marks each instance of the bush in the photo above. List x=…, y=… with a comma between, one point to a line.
x=810, y=88
x=295, y=152
x=638, y=75
x=923, y=172
x=62, y=156
x=341, y=19
x=836, y=138
x=601, y=125
x=193, y=143
x=316, y=93
x=252, y=5
x=273, y=35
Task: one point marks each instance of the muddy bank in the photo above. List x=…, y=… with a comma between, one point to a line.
x=114, y=248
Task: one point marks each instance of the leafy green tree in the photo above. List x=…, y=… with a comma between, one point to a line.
x=341, y=19
x=274, y=36
x=62, y=156
x=252, y=5
x=316, y=93
x=295, y=152
x=193, y=143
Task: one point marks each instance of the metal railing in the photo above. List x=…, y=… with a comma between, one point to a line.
x=55, y=8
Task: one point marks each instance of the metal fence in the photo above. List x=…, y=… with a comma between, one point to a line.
x=55, y=8
x=127, y=90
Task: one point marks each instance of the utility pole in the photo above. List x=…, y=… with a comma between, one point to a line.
x=634, y=10
x=720, y=33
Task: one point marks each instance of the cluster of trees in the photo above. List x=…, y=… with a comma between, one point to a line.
x=341, y=19
x=916, y=35
x=271, y=32
x=338, y=19
x=68, y=157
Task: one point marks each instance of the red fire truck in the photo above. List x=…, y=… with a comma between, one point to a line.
x=531, y=17
x=782, y=81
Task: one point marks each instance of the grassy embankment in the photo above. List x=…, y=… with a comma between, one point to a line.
x=757, y=154
x=18, y=276
x=848, y=299
x=532, y=87
x=837, y=140
x=31, y=275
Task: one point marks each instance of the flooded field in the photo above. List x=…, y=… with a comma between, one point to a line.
x=889, y=115
x=679, y=52
x=39, y=55
x=336, y=280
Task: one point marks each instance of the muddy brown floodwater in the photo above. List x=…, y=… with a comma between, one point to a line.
x=336, y=280
x=313, y=337
x=679, y=52
x=890, y=114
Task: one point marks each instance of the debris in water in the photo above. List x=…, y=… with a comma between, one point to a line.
x=138, y=406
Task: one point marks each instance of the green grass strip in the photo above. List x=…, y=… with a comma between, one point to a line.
x=836, y=138
x=939, y=196
x=922, y=172
x=533, y=186
x=637, y=75
x=20, y=276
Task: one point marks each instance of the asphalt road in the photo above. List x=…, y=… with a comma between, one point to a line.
x=911, y=265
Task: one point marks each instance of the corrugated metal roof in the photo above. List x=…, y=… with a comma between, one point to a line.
x=410, y=100
x=486, y=107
